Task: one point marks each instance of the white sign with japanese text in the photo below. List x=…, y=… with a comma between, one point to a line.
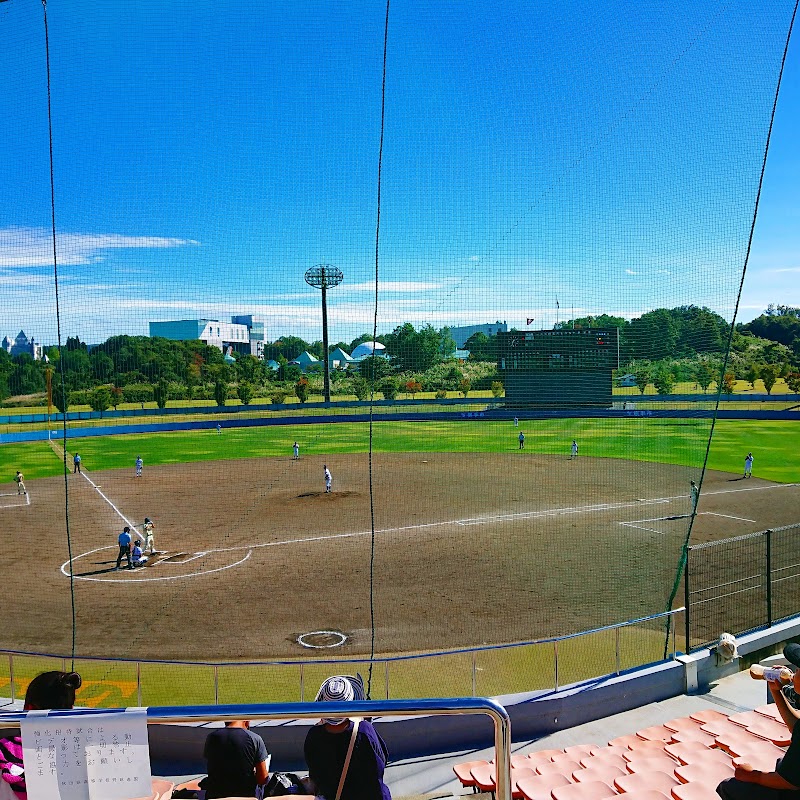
x=97, y=757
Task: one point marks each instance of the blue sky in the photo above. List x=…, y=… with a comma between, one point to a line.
x=207, y=153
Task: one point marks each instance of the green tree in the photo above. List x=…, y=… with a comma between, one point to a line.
x=703, y=375
x=161, y=393
x=663, y=381
x=100, y=399
x=116, y=396
x=441, y=394
x=60, y=395
x=769, y=374
x=137, y=393
x=464, y=385
x=360, y=388
x=793, y=381
x=642, y=373
x=220, y=393
x=373, y=368
x=390, y=387
x=245, y=392
x=418, y=350
x=278, y=396
x=751, y=376
x=497, y=388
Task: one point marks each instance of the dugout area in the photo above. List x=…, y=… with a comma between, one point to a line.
x=469, y=549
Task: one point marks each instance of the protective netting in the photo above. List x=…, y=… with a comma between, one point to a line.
x=567, y=195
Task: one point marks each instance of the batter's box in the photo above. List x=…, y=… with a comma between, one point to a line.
x=14, y=500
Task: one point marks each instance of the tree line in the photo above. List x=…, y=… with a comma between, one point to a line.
x=660, y=347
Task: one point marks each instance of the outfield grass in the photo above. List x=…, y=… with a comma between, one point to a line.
x=673, y=441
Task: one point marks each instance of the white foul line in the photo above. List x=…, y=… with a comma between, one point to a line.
x=729, y=516
x=100, y=492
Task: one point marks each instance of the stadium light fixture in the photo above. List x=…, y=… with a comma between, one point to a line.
x=324, y=277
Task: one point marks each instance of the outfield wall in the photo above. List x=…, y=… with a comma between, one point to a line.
x=455, y=416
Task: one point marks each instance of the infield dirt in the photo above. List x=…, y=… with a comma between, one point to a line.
x=469, y=549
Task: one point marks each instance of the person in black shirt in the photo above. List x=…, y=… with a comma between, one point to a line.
x=237, y=761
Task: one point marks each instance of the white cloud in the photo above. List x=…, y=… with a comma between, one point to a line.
x=33, y=247
x=630, y=272
x=392, y=286
x=784, y=269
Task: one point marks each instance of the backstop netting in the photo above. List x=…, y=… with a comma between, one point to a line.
x=516, y=233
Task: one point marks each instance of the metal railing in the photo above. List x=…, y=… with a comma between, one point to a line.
x=470, y=654
x=368, y=708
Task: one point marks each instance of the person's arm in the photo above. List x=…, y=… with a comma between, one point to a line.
x=262, y=773
x=788, y=714
x=770, y=780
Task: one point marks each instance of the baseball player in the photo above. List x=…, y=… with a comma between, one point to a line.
x=574, y=450
x=149, y=535
x=76, y=463
x=138, y=557
x=19, y=479
x=139, y=466
x=219, y=428
x=516, y=422
x=295, y=451
x=328, y=478
x=695, y=494
x=521, y=438
x=748, y=466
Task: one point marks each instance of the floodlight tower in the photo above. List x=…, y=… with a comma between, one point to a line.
x=323, y=277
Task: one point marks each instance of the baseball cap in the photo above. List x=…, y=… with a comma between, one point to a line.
x=792, y=654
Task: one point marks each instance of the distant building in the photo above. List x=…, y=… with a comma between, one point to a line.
x=243, y=334
x=22, y=345
x=366, y=349
x=305, y=361
x=463, y=332
x=339, y=359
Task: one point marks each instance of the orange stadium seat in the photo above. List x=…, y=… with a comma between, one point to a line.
x=656, y=733
x=543, y=755
x=744, y=718
x=683, y=724
x=770, y=710
x=694, y=791
x=634, y=742
x=761, y=754
x=704, y=772
x=649, y=764
x=605, y=759
x=772, y=730
x=561, y=767
x=539, y=787
x=641, y=781
x=593, y=790
x=579, y=751
x=603, y=772
x=708, y=715
x=698, y=735
x=484, y=775
x=464, y=774
x=692, y=752
x=648, y=794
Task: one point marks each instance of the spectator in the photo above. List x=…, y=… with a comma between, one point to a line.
x=329, y=743
x=237, y=761
x=784, y=781
x=48, y=690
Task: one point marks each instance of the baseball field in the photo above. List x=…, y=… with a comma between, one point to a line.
x=477, y=542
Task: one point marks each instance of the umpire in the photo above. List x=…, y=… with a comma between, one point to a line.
x=125, y=547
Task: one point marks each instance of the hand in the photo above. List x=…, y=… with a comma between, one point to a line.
x=743, y=771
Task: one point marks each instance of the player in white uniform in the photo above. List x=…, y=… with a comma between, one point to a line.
x=139, y=466
x=295, y=451
x=695, y=494
x=19, y=479
x=328, y=478
x=574, y=450
x=149, y=535
x=748, y=466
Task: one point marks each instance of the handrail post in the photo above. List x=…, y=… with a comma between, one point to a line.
x=555, y=659
x=769, y=578
x=616, y=637
x=687, y=620
x=139, y=683
x=474, y=674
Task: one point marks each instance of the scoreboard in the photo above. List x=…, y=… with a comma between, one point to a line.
x=558, y=367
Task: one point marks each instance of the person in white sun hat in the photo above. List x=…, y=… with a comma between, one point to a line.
x=346, y=757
